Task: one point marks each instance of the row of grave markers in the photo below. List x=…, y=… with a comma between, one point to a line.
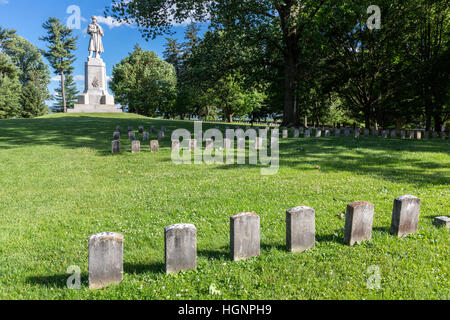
x=180, y=240
x=326, y=132
x=154, y=144
x=193, y=145
x=136, y=144
x=358, y=132
x=307, y=133
x=145, y=134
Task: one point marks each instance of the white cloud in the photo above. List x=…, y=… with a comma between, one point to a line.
x=3, y=1
x=184, y=23
x=110, y=22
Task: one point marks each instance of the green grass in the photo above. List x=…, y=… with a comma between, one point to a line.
x=59, y=184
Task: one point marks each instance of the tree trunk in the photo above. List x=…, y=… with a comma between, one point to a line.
x=289, y=12
x=366, y=118
x=437, y=122
x=428, y=112
x=230, y=118
x=63, y=92
x=291, y=112
x=428, y=121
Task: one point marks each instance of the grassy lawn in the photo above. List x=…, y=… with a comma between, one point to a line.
x=59, y=184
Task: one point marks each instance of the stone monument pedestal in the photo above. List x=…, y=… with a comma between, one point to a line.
x=95, y=98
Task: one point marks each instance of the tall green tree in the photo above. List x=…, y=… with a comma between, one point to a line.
x=71, y=91
x=361, y=59
x=10, y=88
x=28, y=58
x=218, y=73
x=31, y=102
x=33, y=73
x=145, y=83
x=192, y=38
x=426, y=54
x=188, y=98
x=173, y=53
x=6, y=37
x=397, y=75
x=61, y=43
x=285, y=23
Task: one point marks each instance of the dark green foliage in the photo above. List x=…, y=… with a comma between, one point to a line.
x=71, y=94
x=61, y=43
x=32, y=102
x=31, y=72
x=28, y=59
x=173, y=54
x=9, y=88
x=311, y=59
x=59, y=179
x=145, y=83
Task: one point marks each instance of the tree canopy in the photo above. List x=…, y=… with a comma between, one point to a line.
x=25, y=77
x=61, y=43
x=307, y=59
x=145, y=83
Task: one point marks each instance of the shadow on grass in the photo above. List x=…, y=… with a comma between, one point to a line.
x=366, y=156
x=225, y=254
x=369, y=156
x=55, y=281
x=216, y=254
x=95, y=132
x=386, y=230
x=60, y=280
x=140, y=268
x=336, y=238
x=273, y=246
x=84, y=131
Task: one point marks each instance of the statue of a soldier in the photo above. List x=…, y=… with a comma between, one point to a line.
x=96, y=33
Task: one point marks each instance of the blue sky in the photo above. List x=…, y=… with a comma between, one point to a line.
x=27, y=17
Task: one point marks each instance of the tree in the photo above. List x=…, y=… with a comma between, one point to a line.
x=71, y=94
x=177, y=55
x=145, y=83
x=28, y=59
x=31, y=102
x=34, y=75
x=6, y=37
x=9, y=88
x=284, y=23
x=426, y=54
x=396, y=75
x=216, y=78
x=173, y=54
x=309, y=59
x=191, y=35
x=227, y=94
x=361, y=59
x=60, y=48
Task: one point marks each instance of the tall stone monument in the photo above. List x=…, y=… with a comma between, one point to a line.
x=95, y=97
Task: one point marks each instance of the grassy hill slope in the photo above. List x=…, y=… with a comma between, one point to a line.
x=59, y=184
